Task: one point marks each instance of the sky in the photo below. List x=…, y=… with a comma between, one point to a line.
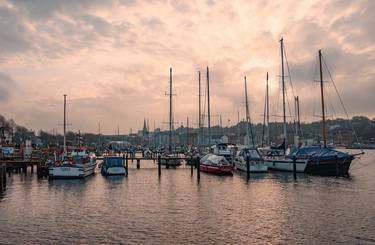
x=112, y=59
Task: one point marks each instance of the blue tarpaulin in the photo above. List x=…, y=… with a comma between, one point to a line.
x=318, y=153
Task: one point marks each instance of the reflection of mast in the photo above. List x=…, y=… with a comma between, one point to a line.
x=322, y=99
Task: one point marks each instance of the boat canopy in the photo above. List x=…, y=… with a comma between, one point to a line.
x=213, y=159
x=319, y=153
x=113, y=162
x=253, y=154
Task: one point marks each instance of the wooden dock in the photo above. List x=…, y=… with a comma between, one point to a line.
x=3, y=178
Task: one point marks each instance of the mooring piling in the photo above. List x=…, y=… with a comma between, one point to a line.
x=198, y=168
x=138, y=163
x=166, y=163
x=294, y=168
x=159, y=165
x=126, y=165
x=191, y=166
x=3, y=178
x=247, y=167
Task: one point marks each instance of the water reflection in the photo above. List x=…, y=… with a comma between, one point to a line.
x=175, y=208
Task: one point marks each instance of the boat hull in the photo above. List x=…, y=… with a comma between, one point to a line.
x=329, y=168
x=285, y=165
x=171, y=162
x=219, y=170
x=113, y=171
x=71, y=171
x=254, y=168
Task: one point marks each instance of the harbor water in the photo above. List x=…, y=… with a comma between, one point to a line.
x=176, y=209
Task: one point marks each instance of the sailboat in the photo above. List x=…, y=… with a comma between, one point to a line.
x=213, y=163
x=77, y=164
x=169, y=159
x=275, y=157
x=324, y=160
x=249, y=153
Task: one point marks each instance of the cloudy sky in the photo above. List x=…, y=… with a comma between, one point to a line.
x=112, y=58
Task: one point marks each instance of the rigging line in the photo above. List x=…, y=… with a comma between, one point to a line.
x=341, y=101
x=287, y=100
x=289, y=75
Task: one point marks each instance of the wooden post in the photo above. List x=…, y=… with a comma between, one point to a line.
x=126, y=165
x=32, y=168
x=294, y=168
x=167, y=163
x=159, y=165
x=191, y=166
x=4, y=176
x=24, y=168
x=247, y=167
x=1, y=179
x=198, y=168
x=138, y=163
x=337, y=166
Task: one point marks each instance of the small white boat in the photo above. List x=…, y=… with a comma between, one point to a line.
x=256, y=162
x=78, y=165
x=113, y=165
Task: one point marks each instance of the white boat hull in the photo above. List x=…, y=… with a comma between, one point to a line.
x=254, y=167
x=114, y=171
x=285, y=165
x=72, y=171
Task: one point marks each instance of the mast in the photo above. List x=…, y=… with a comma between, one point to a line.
x=199, y=111
x=322, y=99
x=268, y=113
x=65, y=151
x=208, y=107
x=238, y=127
x=221, y=125
x=298, y=118
x=170, y=110
x=99, y=135
x=283, y=86
x=248, y=116
x=187, y=131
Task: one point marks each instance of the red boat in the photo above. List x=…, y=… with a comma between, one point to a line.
x=216, y=164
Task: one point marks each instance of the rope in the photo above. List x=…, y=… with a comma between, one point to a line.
x=341, y=101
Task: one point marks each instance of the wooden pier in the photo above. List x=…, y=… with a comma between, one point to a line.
x=20, y=165
x=3, y=178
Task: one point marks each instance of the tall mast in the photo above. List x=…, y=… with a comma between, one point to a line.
x=248, y=115
x=283, y=86
x=238, y=127
x=208, y=107
x=322, y=98
x=187, y=131
x=170, y=110
x=199, y=111
x=65, y=152
x=298, y=118
x=268, y=113
x=221, y=125
x=99, y=135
